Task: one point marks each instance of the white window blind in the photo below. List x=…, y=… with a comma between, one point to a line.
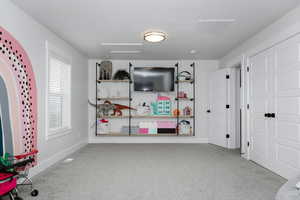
x=59, y=101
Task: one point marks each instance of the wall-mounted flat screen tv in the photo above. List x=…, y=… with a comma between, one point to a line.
x=153, y=79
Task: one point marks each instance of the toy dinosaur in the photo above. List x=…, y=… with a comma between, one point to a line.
x=105, y=108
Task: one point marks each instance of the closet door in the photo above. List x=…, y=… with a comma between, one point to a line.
x=259, y=106
x=285, y=151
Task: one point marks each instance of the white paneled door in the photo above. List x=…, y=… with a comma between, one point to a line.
x=218, y=119
x=286, y=150
x=275, y=108
x=259, y=102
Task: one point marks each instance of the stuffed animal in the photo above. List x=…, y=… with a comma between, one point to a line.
x=107, y=108
x=143, y=109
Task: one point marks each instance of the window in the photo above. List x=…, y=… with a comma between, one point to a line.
x=59, y=95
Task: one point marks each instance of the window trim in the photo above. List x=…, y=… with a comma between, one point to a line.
x=52, y=51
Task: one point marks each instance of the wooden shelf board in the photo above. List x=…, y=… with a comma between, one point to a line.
x=114, y=98
x=113, y=134
x=185, y=99
x=162, y=117
x=113, y=81
x=145, y=117
x=185, y=135
x=142, y=135
x=155, y=135
x=113, y=117
x=185, y=81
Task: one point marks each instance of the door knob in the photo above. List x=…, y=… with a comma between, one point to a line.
x=268, y=115
x=272, y=115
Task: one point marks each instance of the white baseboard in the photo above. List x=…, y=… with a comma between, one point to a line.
x=43, y=165
x=148, y=140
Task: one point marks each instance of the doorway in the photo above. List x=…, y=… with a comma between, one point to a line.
x=238, y=107
x=225, y=108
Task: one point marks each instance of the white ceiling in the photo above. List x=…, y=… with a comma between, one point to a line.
x=87, y=23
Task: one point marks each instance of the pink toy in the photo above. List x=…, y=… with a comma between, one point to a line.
x=163, y=98
x=182, y=95
x=187, y=111
x=143, y=130
x=166, y=124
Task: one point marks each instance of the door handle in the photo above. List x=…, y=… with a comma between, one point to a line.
x=208, y=111
x=270, y=115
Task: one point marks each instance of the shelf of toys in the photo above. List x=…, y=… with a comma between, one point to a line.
x=129, y=113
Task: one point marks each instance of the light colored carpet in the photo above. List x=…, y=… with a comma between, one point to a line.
x=156, y=172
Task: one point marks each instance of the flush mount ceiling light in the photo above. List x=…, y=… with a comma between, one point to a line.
x=193, y=51
x=155, y=36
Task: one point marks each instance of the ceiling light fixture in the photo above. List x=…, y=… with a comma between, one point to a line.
x=193, y=51
x=155, y=36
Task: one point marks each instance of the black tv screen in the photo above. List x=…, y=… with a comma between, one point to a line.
x=153, y=79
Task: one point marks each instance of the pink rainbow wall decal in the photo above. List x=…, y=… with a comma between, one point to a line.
x=17, y=73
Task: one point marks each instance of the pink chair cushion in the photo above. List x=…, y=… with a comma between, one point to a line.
x=8, y=183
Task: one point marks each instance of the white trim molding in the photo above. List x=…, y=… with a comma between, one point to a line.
x=55, y=158
x=147, y=140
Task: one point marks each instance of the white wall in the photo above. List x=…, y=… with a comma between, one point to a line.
x=203, y=68
x=276, y=32
x=32, y=37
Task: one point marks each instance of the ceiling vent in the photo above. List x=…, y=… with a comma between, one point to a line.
x=216, y=20
x=125, y=52
x=122, y=44
x=214, y=27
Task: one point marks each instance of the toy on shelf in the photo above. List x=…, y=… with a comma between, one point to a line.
x=105, y=70
x=182, y=95
x=105, y=109
x=121, y=75
x=148, y=128
x=176, y=112
x=133, y=129
x=158, y=127
x=103, y=126
x=166, y=127
x=187, y=111
x=184, y=127
x=184, y=76
x=162, y=106
x=143, y=109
